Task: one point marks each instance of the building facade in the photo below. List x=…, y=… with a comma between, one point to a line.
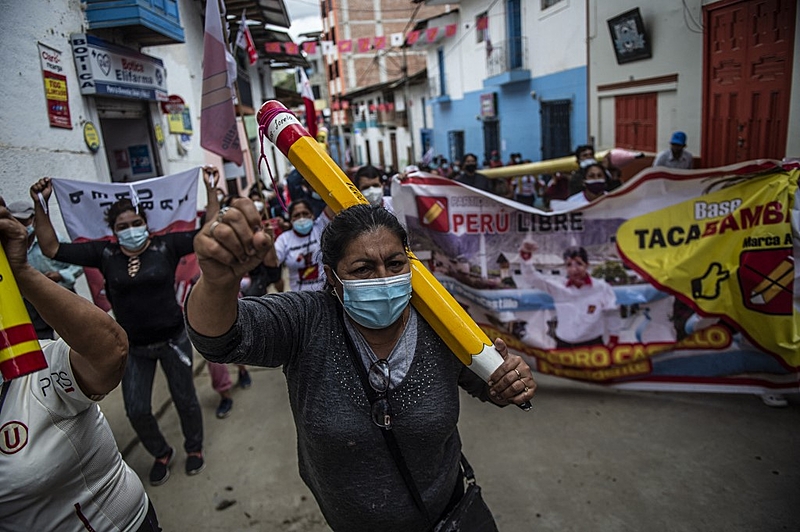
x=88, y=92
x=512, y=79
x=724, y=72
x=368, y=49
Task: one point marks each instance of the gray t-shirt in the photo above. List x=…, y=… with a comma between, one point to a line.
x=342, y=455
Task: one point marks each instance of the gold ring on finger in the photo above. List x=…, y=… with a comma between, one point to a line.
x=526, y=390
x=518, y=374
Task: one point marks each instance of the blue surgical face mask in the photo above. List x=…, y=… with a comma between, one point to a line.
x=133, y=238
x=303, y=225
x=29, y=229
x=376, y=303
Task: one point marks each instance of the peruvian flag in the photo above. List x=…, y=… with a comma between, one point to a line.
x=244, y=40
x=304, y=89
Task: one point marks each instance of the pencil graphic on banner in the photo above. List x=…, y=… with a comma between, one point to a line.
x=20, y=353
x=433, y=213
x=447, y=317
x=774, y=282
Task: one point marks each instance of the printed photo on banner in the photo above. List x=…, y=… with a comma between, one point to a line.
x=672, y=282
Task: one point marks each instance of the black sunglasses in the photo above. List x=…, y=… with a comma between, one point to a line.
x=379, y=379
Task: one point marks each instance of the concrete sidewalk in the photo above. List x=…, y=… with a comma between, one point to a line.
x=586, y=458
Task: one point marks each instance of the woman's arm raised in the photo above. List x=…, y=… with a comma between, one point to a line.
x=227, y=248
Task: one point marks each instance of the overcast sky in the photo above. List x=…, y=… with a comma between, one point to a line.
x=305, y=16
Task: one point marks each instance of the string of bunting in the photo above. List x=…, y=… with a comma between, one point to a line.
x=364, y=44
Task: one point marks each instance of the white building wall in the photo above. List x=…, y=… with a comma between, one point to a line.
x=554, y=40
x=793, y=140
x=676, y=50
x=555, y=37
x=29, y=147
x=465, y=58
x=418, y=95
x=185, y=78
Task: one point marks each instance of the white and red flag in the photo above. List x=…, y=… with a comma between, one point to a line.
x=219, y=132
x=244, y=40
x=304, y=88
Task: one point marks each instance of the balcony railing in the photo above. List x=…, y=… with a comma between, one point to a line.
x=149, y=22
x=386, y=118
x=506, y=56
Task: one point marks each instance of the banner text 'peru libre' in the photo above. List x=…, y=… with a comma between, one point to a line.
x=692, y=276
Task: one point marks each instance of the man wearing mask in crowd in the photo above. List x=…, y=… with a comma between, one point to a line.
x=60, y=272
x=368, y=181
x=470, y=176
x=584, y=155
x=455, y=169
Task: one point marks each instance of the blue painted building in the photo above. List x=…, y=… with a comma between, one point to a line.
x=511, y=79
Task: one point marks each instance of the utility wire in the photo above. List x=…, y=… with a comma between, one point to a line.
x=686, y=12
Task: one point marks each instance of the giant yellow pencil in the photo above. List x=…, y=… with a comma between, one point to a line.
x=20, y=353
x=447, y=317
x=619, y=157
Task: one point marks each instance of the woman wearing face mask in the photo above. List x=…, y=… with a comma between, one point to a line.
x=368, y=181
x=330, y=343
x=594, y=186
x=139, y=272
x=298, y=249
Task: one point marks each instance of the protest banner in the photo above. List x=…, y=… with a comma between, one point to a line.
x=169, y=203
x=701, y=265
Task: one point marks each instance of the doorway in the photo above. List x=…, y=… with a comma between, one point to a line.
x=128, y=139
x=635, y=121
x=748, y=53
x=491, y=138
x=556, y=134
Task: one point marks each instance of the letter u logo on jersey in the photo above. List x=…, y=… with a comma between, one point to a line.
x=13, y=437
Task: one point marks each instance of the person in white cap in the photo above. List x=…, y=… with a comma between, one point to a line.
x=676, y=156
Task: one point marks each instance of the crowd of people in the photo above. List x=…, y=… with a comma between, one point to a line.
x=335, y=276
x=343, y=327
x=534, y=190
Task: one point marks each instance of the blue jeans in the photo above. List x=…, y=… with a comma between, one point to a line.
x=175, y=356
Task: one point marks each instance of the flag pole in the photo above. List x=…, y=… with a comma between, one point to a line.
x=256, y=173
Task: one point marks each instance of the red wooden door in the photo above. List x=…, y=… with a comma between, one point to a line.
x=748, y=53
x=635, y=119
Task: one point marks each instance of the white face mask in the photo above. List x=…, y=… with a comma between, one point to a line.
x=259, y=206
x=374, y=195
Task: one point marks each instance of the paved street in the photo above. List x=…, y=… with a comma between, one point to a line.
x=586, y=459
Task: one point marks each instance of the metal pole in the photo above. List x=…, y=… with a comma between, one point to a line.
x=408, y=106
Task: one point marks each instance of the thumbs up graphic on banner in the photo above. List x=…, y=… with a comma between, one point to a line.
x=749, y=278
x=707, y=286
